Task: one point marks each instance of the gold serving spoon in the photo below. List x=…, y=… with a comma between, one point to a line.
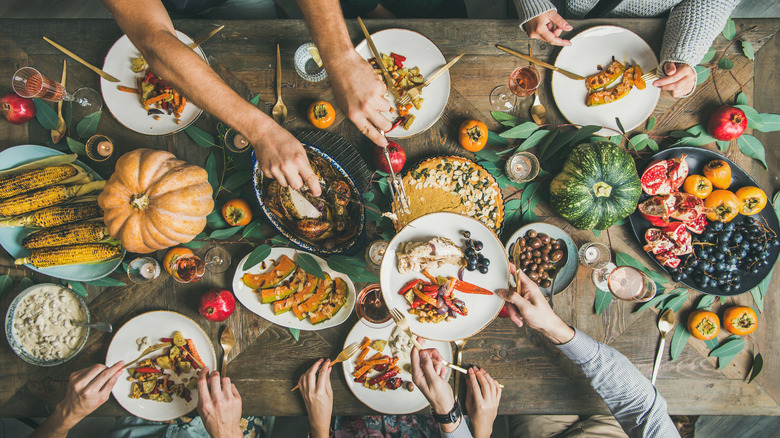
x=227, y=341
x=538, y=112
x=665, y=325
x=279, y=111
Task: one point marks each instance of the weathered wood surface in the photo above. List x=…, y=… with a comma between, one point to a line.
x=267, y=360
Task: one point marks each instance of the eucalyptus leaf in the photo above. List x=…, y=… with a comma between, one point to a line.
x=296, y=333
x=24, y=283
x=725, y=64
x=708, y=56
x=260, y=253
x=279, y=240
x=758, y=298
x=763, y=287
x=352, y=260
x=650, y=123
x=652, y=144
x=509, y=123
x=254, y=230
x=255, y=100
x=521, y=131
x=616, y=139
x=67, y=113
x=529, y=216
x=308, y=264
x=747, y=49
x=679, y=340
x=723, y=145
x=729, y=30
x=45, y=114
x=596, y=233
x=752, y=147
x=78, y=288
x=225, y=233
x=368, y=196
x=496, y=140
x=723, y=361
x=702, y=73
x=711, y=343
x=620, y=125
x=361, y=275
x=756, y=367
x=88, y=125
x=705, y=302
x=532, y=140
x=211, y=171
x=677, y=302
x=200, y=137
x=76, y=146
x=653, y=302
x=195, y=244
x=548, y=140
x=623, y=259
x=770, y=122
x=584, y=132
x=640, y=141
x=105, y=282
x=741, y=99
x=488, y=155
x=215, y=221
x=236, y=180
x=754, y=118
x=6, y=282
x=563, y=139
x=729, y=348
x=501, y=116
x=603, y=298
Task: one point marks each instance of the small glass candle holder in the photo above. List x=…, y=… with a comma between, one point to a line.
x=522, y=167
x=306, y=65
x=99, y=148
x=371, y=307
x=143, y=270
x=235, y=142
x=375, y=252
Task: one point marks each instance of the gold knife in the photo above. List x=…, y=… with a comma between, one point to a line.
x=566, y=73
x=442, y=69
x=102, y=74
x=193, y=45
x=378, y=56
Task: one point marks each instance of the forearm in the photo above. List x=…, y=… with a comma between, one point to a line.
x=457, y=430
x=692, y=27
x=631, y=398
x=56, y=426
x=328, y=29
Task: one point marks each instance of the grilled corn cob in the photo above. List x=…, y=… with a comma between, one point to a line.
x=35, y=179
x=45, y=197
x=70, y=255
x=70, y=234
x=57, y=215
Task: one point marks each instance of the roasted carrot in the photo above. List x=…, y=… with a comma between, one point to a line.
x=362, y=356
x=365, y=342
x=191, y=349
x=361, y=371
x=381, y=361
x=127, y=89
x=158, y=98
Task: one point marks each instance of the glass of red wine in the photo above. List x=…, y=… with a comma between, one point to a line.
x=30, y=83
x=522, y=82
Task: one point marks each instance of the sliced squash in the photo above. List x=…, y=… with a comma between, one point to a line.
x=296, y=284
x=283, y=290
x=282, y=269
x=335, y=302
x=311, y=303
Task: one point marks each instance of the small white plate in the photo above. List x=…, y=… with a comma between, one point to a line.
x=396, y=402
x=125, y=107
x=251, y=300
x=482, y=308
x=593, y=47
x=156, y=325
x=419, y=52
x=568, y=271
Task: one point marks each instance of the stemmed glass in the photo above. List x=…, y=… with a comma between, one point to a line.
x=30, y=83
x=523, y=81
x=217, y=259
x=143, y=270
x=190, y=268
x=598, y=257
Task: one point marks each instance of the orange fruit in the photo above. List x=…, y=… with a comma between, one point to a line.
x=173, y=254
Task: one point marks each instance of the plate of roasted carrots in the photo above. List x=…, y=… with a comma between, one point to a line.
x=143, y=101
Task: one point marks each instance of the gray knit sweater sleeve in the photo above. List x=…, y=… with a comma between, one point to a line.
x=692, y=27
x=528, y=9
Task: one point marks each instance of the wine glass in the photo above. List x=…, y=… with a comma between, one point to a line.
x=143, y=270
x=188, y=268
x=631, y=284
x=598, y=257
x=29, y=82
x=217, y=259
x=523, y=81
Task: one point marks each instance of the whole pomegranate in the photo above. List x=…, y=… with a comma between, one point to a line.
x=727, y=123
x=17, y=109
x=397, y=157
x=217, y=304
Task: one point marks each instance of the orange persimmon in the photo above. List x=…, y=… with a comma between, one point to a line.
x=473, y=135
x=237, y=212
x=740, y=320
x=719, y=173
x=321, y=114
x=722, y=205
x=174, y=253
x=751, y=200
x=698, y=186
x=703, y=324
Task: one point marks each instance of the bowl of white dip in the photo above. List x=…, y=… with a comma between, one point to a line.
x=39, y=324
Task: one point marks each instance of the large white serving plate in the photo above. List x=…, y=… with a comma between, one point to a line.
x=396, y=402
x=11, y=237
x=156, y=325
x=125, y=107
x=251, y=300
x=482, y=309
x=419, y=52
x=589, y=49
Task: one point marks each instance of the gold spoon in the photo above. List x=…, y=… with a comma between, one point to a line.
x=59, y=131
x=665, y=325
x=279, y=111
x=459, y=344
x=228, y=341
x=538, y=112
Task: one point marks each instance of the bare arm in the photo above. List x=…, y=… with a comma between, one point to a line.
x=359, y=91
x=147, y=24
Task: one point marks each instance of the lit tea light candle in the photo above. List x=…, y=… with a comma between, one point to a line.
x=105, y=148
x=522, y=167
x=376, y=251
x=147, y=270
x=240, y=142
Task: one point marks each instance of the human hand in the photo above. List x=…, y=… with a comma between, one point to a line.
x=680, y=79
x=282, y=157
x=482, y=399
x=360, y=93
x=318, y=396
x=428, y=374
x=87, y=390
x=548, y=26
x=219, y=405
x=530, y=306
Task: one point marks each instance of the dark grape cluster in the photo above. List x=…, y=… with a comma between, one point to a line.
x=474, y=259
x=727, y=251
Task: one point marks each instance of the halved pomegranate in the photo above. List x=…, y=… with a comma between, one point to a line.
x=687, y=207
x=676, y=231
x=669, y=259
x=655, y=180
x=655, y=211
x=697, y=225
x=657, y=242
x=678, y=171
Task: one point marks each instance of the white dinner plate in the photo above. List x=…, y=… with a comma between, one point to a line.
x=391, y=402
x=156, y=325
x=419, y=52
x=589, y=49
x=251, y=300
x=568, y=271
x=125, y=107
x=11, y=237
x=482, y=309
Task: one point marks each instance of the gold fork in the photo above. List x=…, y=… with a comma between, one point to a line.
x=151, y=349
x=651, y=76
x=344, y=355
x=414, y=92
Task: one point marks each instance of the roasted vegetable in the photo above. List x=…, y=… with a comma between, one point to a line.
x=613, y=94
x=69, y=234
x=46, y=197
x=70, y=255
x=36, y=179
x=605, y=77
x=57, y=215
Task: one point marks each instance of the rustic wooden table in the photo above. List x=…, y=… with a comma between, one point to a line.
x=267, y=360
